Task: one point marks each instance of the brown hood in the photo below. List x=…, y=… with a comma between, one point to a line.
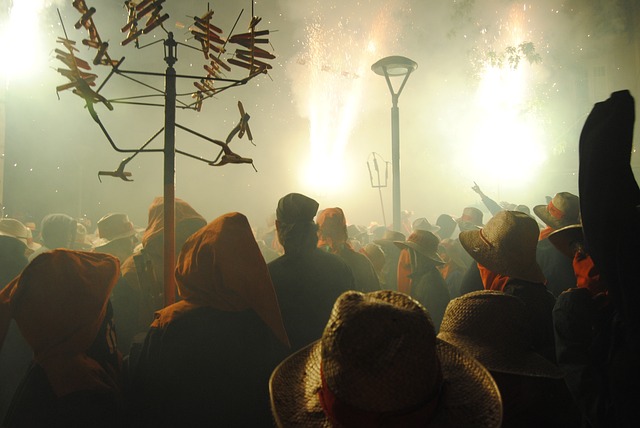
x=155, y=226
x=59, y=302
x=221, y=266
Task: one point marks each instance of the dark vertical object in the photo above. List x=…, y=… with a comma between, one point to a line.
x=395, y=157
x=169, y=171
x=395, y=66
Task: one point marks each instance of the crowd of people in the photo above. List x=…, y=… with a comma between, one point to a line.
x=525, y=320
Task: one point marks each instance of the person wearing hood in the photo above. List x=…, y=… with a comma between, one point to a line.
x=60, y=303
x=206, y=359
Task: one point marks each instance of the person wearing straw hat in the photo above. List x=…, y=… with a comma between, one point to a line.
x=333, y=237
x=307, y=279
x=380, y=364
x=471, y=219
x=426, y=283
x=505, y=253
x=16, y=229
x=392, y=256
x=562, y=210
x=206, y=359
x=116, y=236
x=56, y=231
x=60, y=302
x=491, y=326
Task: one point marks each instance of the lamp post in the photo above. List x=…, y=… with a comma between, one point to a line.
x=389, y=67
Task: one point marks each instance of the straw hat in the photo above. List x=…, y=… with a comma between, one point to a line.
x=112, y=227
x=379, y=363
x=15, y=229
x=492, y=327
x=506, y=245
x=423, y=242
x=563, y=210
x=471, y=219
x=566, y=238
x=423, y=224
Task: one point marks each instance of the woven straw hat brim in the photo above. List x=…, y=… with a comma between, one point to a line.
x=102, y=242
x=430, y=255
x=564, y=238
x=470, y=396
x=512, y=360
x=499, y=261
x=549, y=220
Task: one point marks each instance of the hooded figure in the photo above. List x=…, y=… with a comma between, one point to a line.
x=141, y=292
x=60, y=303
x=332, y=237
x=206, y=360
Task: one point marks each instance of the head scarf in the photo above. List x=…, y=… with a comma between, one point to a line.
x=155, y=226
x=59, y=303
x=332, y=230
x=221, y=266
x=491, y=280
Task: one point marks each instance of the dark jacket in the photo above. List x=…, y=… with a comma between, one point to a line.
x=539, y=302
x=307, y=284
x=207, y=368
x=429, y=288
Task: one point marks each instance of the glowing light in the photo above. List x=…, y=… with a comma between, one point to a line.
x=507, y=144
x=336, y=59
x=21, y=47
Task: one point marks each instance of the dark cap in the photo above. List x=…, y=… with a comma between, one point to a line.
x=296, y=208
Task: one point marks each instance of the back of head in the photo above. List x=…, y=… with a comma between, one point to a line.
x=59, y=302
x=58, y=231
x=447, y=225
x=294, y=222
x=379, y=364
x=12, y=258
x=332, y=228
x=221, y=266
x=187, y=221
x=506, y=245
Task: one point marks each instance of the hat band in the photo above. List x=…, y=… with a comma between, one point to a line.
x=343, y=414
x=468, y=218
x=555, y=212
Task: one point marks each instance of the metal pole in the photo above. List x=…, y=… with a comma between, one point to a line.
x=169, y=173
x=395, y=161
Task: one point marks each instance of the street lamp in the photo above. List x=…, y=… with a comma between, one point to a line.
x=389, y=67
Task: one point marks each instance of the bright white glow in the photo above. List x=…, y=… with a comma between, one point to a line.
x=20, y=49
x=338, y=60
x=507, y=144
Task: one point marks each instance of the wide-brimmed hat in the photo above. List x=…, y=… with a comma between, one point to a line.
x=389, y=237
x=492, y=327
x=423, y=224
x=563, y=210
x=379, y=363
x=506, y=245
x=423, y=242
x=471, y=219
x=355, y=231
x=15, y=229
x=112, y=227
x=566, y=238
